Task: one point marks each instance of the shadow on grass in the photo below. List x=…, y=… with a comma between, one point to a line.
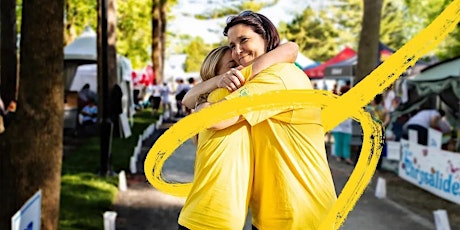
x=85, y=195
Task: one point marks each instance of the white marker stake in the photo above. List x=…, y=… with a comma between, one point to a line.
x=381, y=189
x=441, y=220
x=109, y=220
x=122, y=185
x=132, y=165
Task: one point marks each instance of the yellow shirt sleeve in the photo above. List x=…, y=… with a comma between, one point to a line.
x=220, y=93
x=281, y=76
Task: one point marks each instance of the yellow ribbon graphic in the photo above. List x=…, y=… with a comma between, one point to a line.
x=335, y=110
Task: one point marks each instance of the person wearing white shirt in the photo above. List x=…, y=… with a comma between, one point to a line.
x=165, y=103
x=388, y=102
x=421, y=122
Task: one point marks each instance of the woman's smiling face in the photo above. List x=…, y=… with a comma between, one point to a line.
x=246, y=44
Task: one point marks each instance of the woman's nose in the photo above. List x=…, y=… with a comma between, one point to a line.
x=238, y=49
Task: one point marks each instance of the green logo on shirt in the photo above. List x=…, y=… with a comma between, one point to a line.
x=244, y=92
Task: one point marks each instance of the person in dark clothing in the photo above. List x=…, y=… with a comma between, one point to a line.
x=116, y=108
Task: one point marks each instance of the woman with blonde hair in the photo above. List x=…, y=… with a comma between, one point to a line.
x=223, y=173
x=292, y=186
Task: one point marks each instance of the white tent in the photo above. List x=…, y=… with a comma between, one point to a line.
x=80, y=66
x=303, y=61
x=84, y=47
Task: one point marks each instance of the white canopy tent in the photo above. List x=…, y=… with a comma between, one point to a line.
x=80, y=66
x=84, y=47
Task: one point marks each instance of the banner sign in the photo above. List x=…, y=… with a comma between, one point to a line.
x=28, y=217
x=432, y=169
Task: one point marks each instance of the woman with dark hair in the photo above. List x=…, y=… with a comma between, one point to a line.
x=292, y=184
x=223, y=172
x=233, y=79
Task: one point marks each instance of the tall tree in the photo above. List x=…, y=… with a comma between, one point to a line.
x=369, y=38
x=164, y=21
x=112, y=41
x=31, y=150
x=8, y=66
x=156, y=38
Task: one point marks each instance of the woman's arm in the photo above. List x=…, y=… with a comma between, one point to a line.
x=192, y=95
x=286, y=52
x=198, y=108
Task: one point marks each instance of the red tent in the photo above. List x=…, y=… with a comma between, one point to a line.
x=318, y=71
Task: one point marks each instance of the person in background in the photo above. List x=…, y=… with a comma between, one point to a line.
x=6, y=114
x=378, y=111
x=180, y=92
x=155, y=98
x=342, y=135
x=390, y=99
x=88, y=119
x=422, y=121
x=191, y=82
x=345, y=87
x=84, y=95
x=116, y=108
x=165, y=102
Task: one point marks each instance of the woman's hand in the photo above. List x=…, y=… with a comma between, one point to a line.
x=231, y=80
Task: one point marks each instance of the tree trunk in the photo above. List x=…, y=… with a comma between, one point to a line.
x=8, y=66
x=369, y=39
x=31, y=147
x=111, y=52
x=156, y=38
x=164, y=21
x=111, y=49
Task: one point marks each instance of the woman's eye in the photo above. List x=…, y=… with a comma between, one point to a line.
x=243, y=40
x=232, y=47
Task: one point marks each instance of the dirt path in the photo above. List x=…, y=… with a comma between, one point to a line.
x=143, y=207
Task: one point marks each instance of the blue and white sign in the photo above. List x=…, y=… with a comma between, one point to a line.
x=28, y=217
x=432, y=169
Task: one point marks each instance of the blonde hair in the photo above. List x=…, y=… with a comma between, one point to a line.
x=210, y=66
x=212, y=62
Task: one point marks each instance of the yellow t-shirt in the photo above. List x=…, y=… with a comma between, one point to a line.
x=222, y=180
x=220, y=93
x=292, y=187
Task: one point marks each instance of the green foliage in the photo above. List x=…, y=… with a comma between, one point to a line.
x=420, y=13
x=196, y=52
x=347, y=15
x=321, y=33
x=233, y=9
x=314, y=32
x=134, y=30
x=391, y=32
x=84, y=194
x=18, y=15
x=133, y=26
x=78, y=15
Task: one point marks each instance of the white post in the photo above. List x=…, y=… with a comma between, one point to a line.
x=132, y=165
x=122, y=185
x=441, y=219
x=381, y=189
x=109, y=220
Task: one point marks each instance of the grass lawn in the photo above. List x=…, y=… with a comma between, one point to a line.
x=85, y=196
